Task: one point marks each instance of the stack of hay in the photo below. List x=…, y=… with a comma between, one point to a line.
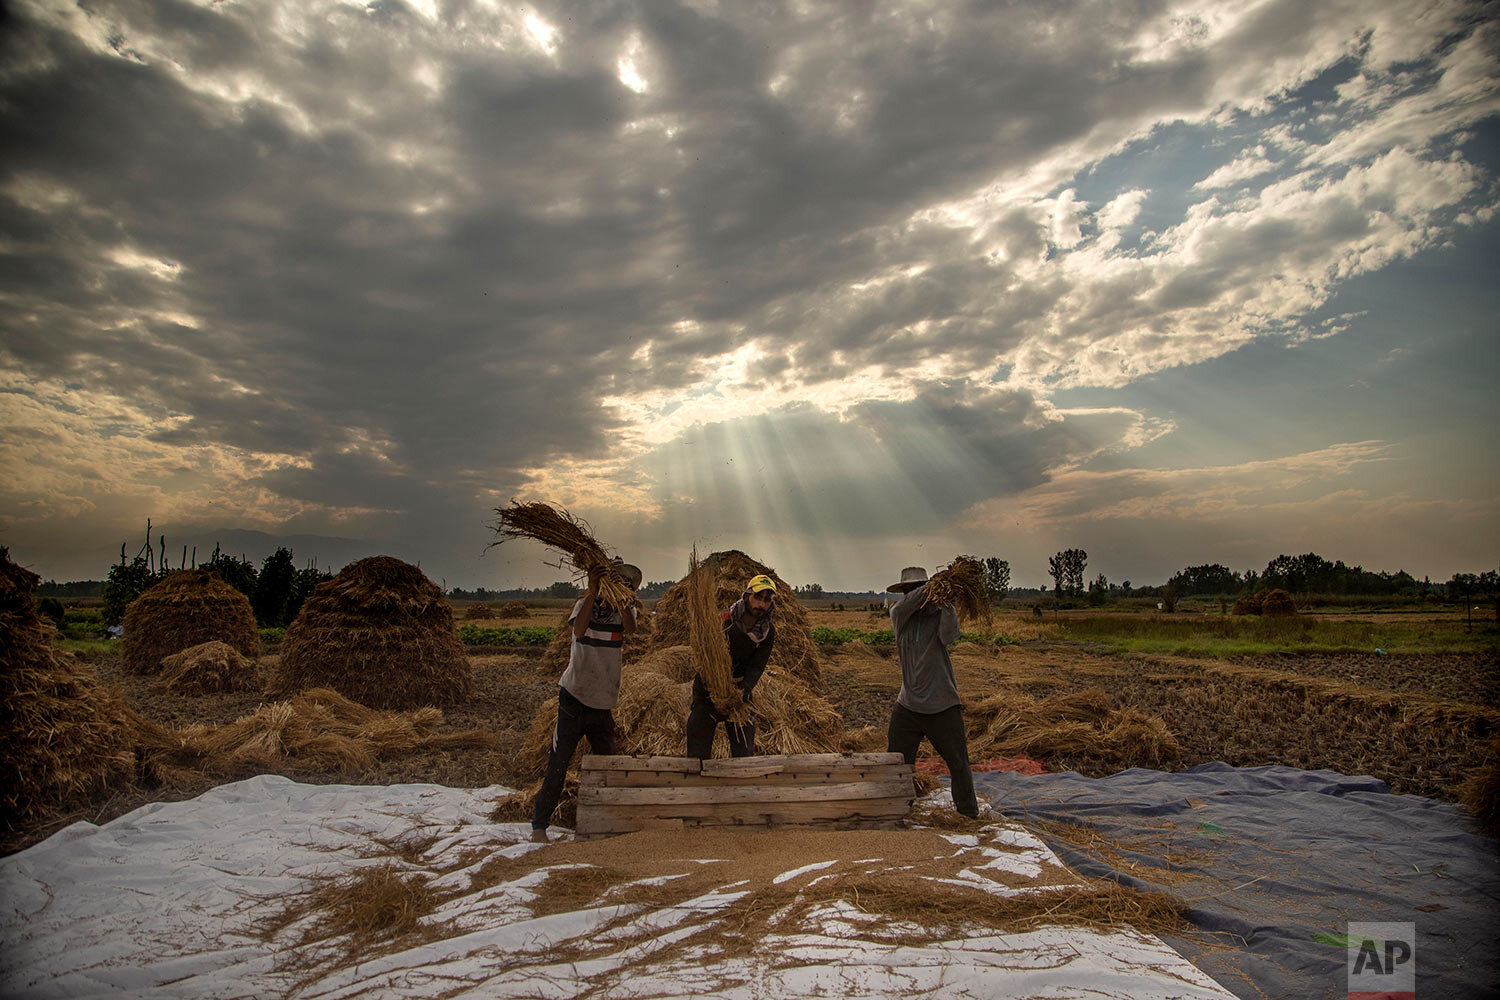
x=513, y=609
x=1082, y=723
x=478, y=612
x=656, y=688
x=379, y=632
x=66, y=736
x=188, y=607
x=1277, y=603
x=209, y=668
x=795, y=653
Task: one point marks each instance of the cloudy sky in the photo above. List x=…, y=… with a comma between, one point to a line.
x=848, y=286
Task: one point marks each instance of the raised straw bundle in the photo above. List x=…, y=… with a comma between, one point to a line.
x=710, y=651
x=556, y=528
x=66, y=736
x=379, y=632
x=188, y=607
x=961, y=585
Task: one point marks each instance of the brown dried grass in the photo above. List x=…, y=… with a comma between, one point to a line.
x=183, y=609
x=961, y=584
x=67, y=736
x=381, y=633
x=318, y=731
x=478, y=612
x=706, y=639
x=556, y=528
x=209, y=668
x=1480, y=794
x=513, y=609
x=1278, y=603
x=1082, y=722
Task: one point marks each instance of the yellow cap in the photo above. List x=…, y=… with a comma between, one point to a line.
x=759, y=583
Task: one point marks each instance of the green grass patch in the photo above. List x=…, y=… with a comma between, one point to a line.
x=88, y=648
x=825, y=636
x=272, y=636
x=521, y=635
x=1248, y=636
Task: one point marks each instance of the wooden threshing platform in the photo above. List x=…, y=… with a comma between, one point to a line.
x=834, y=791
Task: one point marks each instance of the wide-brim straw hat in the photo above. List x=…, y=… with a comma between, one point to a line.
x=911, y=578
x=631, y=574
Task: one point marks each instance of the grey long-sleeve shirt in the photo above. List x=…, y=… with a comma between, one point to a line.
x=923, y=635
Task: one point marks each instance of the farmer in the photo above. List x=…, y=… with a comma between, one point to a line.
x=589, y=688
x=928, y=704
x=750, y=633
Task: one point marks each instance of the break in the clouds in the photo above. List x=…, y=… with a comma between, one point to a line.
x=819, y=277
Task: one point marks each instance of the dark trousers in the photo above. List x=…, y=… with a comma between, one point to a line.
x=703, y=719
x=945, y=731
x=575, y=720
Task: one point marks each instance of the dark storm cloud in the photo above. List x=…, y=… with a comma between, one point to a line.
x=399, y=250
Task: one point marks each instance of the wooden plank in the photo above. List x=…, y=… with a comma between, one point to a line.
x=744, y=793
x=620, y=762
x=660, y=779
x=742, y=767
x=612, y=818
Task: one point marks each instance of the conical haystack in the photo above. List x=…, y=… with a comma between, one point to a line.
x=66, y=736
x=794, y=651
x=380, y=633
x=188, y=607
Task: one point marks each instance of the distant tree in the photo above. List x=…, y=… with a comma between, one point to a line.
x=1057, y=568
x=996, y=578
x=563, y=588
x=125, y=582
x=1066, y=568
x=304, y=583
x=1099, y=590
x=1209, y=579
x=655, y=588
x=238, y=573
x=273, y=589
x=812, y=590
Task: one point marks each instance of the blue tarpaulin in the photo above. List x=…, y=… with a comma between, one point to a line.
x=1274, y=862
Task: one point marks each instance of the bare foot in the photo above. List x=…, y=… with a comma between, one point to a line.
x=538, y=836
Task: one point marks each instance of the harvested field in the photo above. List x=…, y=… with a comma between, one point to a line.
x=1423, y=722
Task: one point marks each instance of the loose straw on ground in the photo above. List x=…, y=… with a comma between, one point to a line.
x=706, y=637
x=962, y=585
x=556, y=528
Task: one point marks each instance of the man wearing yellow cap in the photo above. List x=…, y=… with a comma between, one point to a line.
x=750, y=633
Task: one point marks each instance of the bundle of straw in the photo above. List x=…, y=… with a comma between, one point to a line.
x=706, y=638
x=556, y=528
x=962, y=585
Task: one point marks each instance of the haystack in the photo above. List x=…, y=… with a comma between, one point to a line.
x=1083, y=722
x=478, y=612
x=1480, y=794
x=208, y=668
x=66, y=736
x=188, y=607
x=794, y=652
x=513, y=609
x=379, y=632
x=1278, y=603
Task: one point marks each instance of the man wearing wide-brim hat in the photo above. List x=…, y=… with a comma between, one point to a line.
x=928, y=704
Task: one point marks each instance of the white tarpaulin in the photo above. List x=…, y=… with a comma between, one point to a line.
x=172, y=899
